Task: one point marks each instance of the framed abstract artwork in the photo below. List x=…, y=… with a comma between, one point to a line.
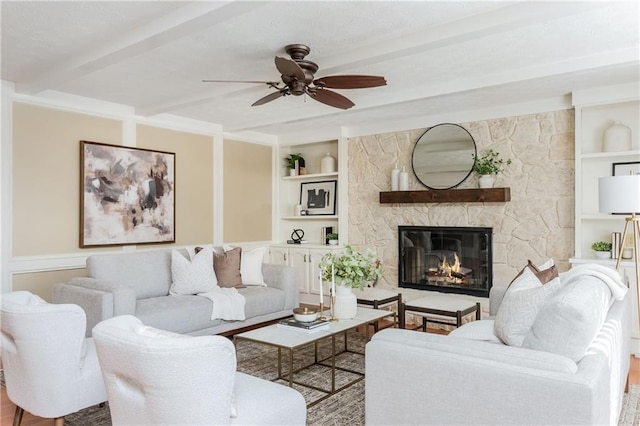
x=127, y=195
x=319, y=198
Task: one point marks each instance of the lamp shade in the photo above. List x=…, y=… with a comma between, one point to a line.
x=619, y=194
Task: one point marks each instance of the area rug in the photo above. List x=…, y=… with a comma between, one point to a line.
x=343, y=408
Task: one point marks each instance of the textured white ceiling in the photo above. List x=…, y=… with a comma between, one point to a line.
x=437, y=57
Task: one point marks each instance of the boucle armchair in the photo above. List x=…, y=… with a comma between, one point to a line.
x=50, y=369
x=156, y=377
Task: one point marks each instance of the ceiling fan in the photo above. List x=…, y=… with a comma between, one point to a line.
x=297, y=76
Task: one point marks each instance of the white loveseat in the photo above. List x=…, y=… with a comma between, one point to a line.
x=471, y=377
x=138, y=283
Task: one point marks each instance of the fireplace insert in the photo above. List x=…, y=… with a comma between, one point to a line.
x=445, y=259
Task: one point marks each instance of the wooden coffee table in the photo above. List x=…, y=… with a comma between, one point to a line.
x=290, y=340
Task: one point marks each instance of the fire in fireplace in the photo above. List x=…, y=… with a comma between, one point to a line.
x=445, y=259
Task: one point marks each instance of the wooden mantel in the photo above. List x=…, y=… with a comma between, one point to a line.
x=487, y=195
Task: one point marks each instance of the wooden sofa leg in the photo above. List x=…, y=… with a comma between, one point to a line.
x=59, y=421
x=17, y=417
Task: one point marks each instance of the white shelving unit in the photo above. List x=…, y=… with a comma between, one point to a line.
x=595, y=111
x=305, y=257
x=289, y=192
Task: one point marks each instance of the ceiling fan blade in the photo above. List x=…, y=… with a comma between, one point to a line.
x=289, y=68
x=239, y=81
x=270, y=97
x=350, y=81
x=330, y=98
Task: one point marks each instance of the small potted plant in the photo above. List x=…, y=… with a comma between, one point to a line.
x=333, y=239
x=602, y=249
x=488, y=165
x=291, y=163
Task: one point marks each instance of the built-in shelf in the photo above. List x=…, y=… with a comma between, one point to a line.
x=483, y=195
x=310, y=217
x=311, y=176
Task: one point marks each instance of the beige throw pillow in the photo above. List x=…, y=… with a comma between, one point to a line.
x=227, y=267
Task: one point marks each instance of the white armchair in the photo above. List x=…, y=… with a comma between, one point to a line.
x=155, y=377
x=50, y=369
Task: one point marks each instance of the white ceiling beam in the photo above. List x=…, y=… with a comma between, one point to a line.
x=495, y=21
x=179, y=23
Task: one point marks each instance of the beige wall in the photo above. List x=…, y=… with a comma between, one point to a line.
x=247, y=192
x=41, y=283
x=194, y=179
x=538, y=222
x=46, y=170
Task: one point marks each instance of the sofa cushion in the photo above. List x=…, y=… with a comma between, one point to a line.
x=179, y=313
x=227, y=267
x=192, y=276
x=520, y=306
x=148, y=273
x=569, y=320
x=477, y=330
x=262, y=300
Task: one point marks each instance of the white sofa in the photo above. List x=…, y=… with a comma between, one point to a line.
x=138, y=284
x=471, y=377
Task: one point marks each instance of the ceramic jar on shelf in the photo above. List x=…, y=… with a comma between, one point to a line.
x=617, y=137
x=328, y=164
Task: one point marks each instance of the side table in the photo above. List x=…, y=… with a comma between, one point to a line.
x=439, y=308
x=378, y=298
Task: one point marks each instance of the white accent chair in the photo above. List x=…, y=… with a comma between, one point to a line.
x=156, y=377
x=50, y=369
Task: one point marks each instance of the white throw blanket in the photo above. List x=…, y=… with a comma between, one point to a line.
x=608, y=276
x=228, y=304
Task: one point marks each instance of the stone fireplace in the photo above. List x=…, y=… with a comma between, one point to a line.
x=446, y=259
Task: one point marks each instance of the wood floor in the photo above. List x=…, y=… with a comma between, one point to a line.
x=7, y=408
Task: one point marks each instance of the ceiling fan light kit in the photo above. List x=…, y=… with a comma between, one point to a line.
x=297, y=75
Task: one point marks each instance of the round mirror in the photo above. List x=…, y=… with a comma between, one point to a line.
x=443, y=156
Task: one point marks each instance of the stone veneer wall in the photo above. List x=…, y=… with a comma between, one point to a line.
x=537, y=224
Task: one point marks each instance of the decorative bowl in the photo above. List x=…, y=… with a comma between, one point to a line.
x=305, y=314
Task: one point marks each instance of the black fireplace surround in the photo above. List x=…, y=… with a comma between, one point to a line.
x=446, y=259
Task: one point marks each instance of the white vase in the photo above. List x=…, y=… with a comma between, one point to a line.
x=617, y=138
x=486, y=181
x=603, y=254
x=346, y=306
x=328, y=164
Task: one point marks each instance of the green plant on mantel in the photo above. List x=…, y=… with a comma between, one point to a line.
x=331, y=236
x=601, y=246
x=489, y=163
x=291, y=160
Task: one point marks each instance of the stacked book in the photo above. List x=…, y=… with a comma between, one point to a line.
x=304, y=327
x=325, y=230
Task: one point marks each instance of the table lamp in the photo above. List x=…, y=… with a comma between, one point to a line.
x=621, y=194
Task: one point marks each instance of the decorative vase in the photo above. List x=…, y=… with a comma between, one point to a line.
x=486, y=181
x=617, y=138
x=346, y=306
x=292, y=172
x=601, y=255
x=333, y=242
x=328, y=164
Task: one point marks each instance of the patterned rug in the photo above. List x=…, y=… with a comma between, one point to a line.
x=344, y=408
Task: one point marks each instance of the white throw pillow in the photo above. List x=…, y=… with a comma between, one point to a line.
x=251, y=265
x=520, y=306
x=192, y=276
x=569, y=320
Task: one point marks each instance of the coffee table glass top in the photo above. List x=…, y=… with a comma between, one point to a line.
x=278, y=336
